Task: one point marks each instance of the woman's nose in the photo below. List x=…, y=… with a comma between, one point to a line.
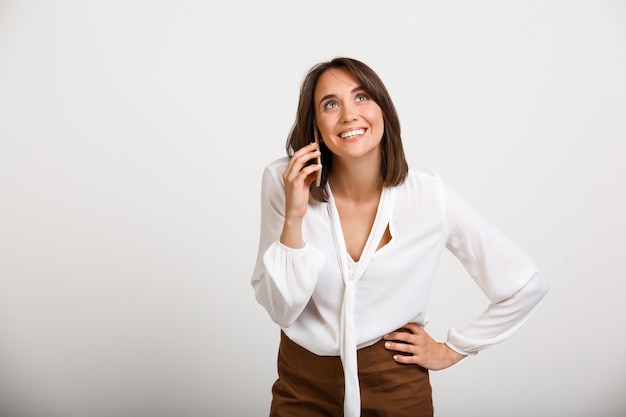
x=349, y=113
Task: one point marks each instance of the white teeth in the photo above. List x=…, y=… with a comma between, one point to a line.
x=352, y=133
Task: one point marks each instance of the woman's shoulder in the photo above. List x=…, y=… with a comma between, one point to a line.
x=272, y=178
x=420, y=173
x=422, y=181
x=275, y=168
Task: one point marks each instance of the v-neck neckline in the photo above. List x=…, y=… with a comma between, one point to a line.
x=381, y=222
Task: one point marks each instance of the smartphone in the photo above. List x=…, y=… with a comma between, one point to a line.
x=318, y=179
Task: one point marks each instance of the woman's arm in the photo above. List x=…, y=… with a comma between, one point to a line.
x=508, y=277
x=286, y=272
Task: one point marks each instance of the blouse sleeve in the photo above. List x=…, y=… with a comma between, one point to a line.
x=284, y=278
x=506, y=275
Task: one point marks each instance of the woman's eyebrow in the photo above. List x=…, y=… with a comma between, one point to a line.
x=326, y=97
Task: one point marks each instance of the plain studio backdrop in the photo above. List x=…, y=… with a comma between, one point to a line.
x=133, y=135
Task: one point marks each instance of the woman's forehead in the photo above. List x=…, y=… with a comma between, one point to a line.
x=335, y=80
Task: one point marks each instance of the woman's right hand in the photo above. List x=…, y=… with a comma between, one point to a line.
x=298, y=178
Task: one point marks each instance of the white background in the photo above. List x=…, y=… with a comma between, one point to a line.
x=132, y=139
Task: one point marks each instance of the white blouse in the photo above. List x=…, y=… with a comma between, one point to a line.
x=331, y=305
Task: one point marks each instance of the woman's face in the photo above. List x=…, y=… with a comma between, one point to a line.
x=350, y=122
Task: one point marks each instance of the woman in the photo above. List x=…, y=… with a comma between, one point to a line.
x=345, y=269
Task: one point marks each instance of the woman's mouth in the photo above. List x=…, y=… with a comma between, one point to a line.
x=352, y=133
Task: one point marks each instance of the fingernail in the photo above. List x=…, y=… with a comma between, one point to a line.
x=387, y=345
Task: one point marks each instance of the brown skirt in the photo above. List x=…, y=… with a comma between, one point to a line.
x=309, y=385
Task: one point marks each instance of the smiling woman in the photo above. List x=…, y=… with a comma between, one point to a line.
x=345, y=268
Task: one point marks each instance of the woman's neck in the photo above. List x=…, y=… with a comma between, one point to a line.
x=356, y=181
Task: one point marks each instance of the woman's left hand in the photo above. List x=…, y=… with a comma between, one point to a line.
x=417, y=347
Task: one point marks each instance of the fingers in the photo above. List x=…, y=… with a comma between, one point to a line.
x=297, y=170
x=405, y=358
x=413, y=345
x=405, y=333
x=407, y=342
x=404, y=349
x=303, y=155
x=298, y=178
x=403, y=341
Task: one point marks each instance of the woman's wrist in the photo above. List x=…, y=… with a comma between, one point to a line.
x=292, y=233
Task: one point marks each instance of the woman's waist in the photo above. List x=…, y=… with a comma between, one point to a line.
x=324, y=338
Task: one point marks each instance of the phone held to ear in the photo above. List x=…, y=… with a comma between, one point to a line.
x=318, y=179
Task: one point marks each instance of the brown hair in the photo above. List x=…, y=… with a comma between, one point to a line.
x=394, y=166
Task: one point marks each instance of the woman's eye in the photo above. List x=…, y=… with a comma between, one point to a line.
x=361, y=97
x=331, y=105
